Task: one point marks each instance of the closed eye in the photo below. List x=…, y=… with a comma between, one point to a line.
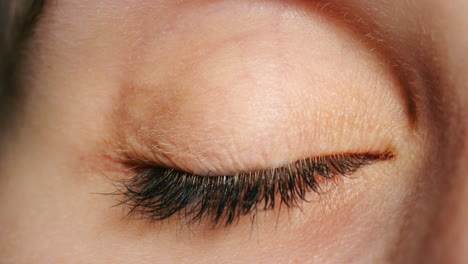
x=160, y=193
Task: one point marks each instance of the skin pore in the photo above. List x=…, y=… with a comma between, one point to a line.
x=222, y=87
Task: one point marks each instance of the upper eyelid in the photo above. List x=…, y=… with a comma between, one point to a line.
x=139, y=165
x=148, y=134
x=375, y=36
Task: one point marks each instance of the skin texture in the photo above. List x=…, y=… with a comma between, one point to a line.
x=220, y=87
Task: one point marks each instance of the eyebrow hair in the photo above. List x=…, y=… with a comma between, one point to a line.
x=17, y=20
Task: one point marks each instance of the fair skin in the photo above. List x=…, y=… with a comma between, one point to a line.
x=220, y=87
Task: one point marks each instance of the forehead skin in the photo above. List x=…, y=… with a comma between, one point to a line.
x=103, y=75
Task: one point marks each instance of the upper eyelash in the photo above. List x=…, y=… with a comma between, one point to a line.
x=159, y=193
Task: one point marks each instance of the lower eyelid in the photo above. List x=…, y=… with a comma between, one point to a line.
x=160, y=193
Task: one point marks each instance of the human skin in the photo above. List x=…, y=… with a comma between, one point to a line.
x=220, y=87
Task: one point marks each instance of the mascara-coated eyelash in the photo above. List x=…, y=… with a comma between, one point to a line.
x=160, y=193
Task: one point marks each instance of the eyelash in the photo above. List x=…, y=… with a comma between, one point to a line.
x=159, y=193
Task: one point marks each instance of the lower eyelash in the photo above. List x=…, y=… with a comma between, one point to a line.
x=160, y=193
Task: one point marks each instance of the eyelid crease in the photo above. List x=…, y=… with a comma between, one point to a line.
x=160, y=193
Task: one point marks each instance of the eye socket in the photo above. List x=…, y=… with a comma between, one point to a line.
x=160, y=193
x=241, y=101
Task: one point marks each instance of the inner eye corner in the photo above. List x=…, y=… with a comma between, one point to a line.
x=386, y=155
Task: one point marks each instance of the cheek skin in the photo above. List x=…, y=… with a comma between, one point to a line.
x=95, y=82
